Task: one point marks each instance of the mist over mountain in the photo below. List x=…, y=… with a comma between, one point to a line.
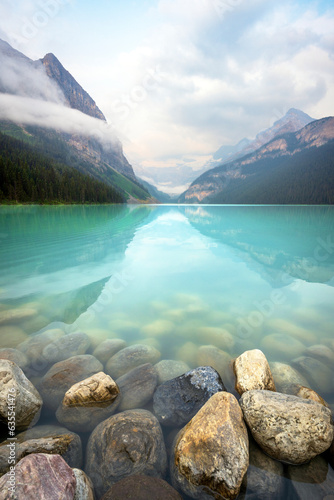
x=51, y=111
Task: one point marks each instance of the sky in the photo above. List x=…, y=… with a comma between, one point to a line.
x=177, y=79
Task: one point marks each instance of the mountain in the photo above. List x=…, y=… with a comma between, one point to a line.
x=294, y=167
x=92, y=151
x=159, y=195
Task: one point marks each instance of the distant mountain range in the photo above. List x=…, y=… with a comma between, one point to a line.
x=291, y=168
x=48, y=81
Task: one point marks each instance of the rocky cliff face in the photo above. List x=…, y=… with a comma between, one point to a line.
x=75, y=95
x=315, y=134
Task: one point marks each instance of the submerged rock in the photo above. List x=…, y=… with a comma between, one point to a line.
x=209, y=355
x=65, y=347
x=320, y=376
x=141, y=488
x=34, y=345
x=61, y=376
x=131, y=357
x=125, y=444
x=89, y=402
x=16, y=315
x=312, y=481
x=252, y=372
x=108, y=348
x=284, y=376
x=170, y=368
x=306, y=393
x=84, y=488
x=48, y=439
x=287, y=428
x=322, y=353
x=15, y=356
x=281, y=344
x=137, y=387
x=11, y=336
x=176, y=401
x=211, y=452
x=265, y=477
x=39, y=476
x=218, y=337
x=20, y=402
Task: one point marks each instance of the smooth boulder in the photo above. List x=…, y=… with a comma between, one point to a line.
x=170, y=368
x=61, y=376
x=108, y=348
x=131, y=357
x=125, y=444
x=287, y=428
x=312, y=481
x=176, y=401
x=39, y=476
x=15, y=356
x=252, y=372
x=211, y=453
x=284, y=375
x=19, y=400
x=65, y=347
x=137, y=387
x=89, y=402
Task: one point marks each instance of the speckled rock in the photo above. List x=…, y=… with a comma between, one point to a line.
x=84, y=488
x=131, y=357
x=284, y=376
x=252, y=372
x=108, y=348
x=320, y=376
x=265, y=477
x=287, y=428
x=142, y=488
x=125, y=444
x=170, y=368
x=16, y=356
x=61, y=376
x=176, y=401
x=65, y=347
x=40, y=476
x=48, y=439
x=18, y=395
x=211, y=453
x=34, y=345
x=312, y=481
x=137, y=387
x=89, y=402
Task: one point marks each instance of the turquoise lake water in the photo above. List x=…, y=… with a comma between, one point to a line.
x=176, y=277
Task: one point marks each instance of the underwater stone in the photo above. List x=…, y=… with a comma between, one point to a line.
x=320, y=376
x=283, y=345
x=65, y=347
x=170, y=368
x=284, y=376
x=142, y=488
x=15, y=356
x=131, y=357
x=34, y=345
x=312, y=481
x=125, y=444
x=108, y=348
x=137, y=387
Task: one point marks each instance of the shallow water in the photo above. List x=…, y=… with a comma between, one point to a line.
x=173, y=277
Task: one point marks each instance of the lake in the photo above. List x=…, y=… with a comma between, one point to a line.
x=177, y=278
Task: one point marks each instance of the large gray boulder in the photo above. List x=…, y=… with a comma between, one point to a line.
x=286, y=427
x=211, y=453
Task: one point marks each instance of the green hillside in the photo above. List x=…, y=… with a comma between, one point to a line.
x=27, y=176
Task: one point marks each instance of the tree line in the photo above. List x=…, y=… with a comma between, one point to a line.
x=27, y=176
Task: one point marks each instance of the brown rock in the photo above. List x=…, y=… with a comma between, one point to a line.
x=125, y=444
x=252, y=372
x=89, y=402
x=306, y=393
x=141, y=488
x=39, y=476
x=137, y=387
x=48, y=439
x=61, y=376
x=19, y=401
x=211, y=451
x=287, y=428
